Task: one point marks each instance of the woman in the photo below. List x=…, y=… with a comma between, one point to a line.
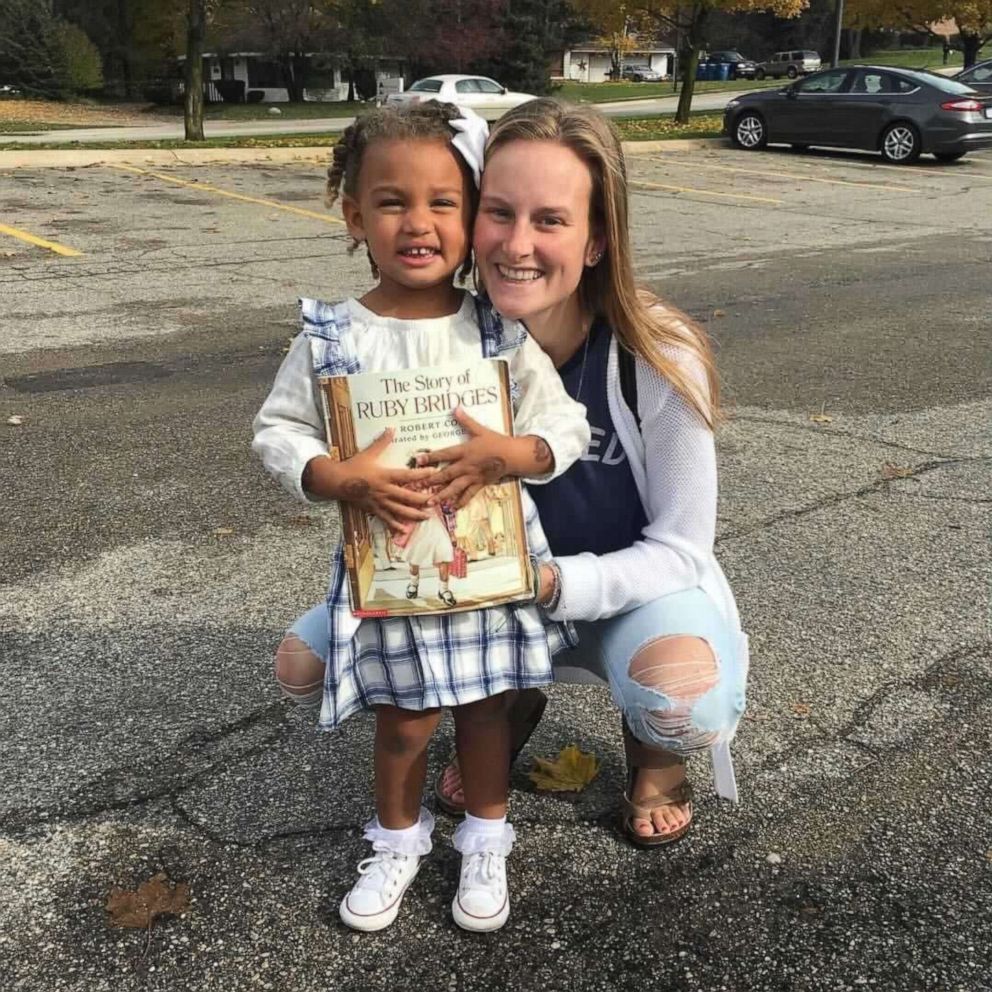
x=631, y=525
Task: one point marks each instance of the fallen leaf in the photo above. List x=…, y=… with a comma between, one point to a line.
x=222, y=531
x=719, y=313
x=15, y=421
x=821, y=418
x=988, y=854
x=892, y=471
x=802, y=709
x=140, y=908
x=571, y=771
x=301, y=520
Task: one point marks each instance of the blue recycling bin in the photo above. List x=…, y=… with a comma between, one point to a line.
x=701, y=70
x=723, y=71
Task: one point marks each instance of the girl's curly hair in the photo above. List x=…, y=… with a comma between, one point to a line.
x=421, y=121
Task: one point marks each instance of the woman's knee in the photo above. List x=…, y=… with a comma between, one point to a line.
x=670, y=675
x=299, y=671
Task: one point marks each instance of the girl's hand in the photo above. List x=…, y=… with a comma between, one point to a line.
x=377, y=489
x=478, y=462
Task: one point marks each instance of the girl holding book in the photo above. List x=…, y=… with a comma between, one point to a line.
x=632, y=524
x=408, y=184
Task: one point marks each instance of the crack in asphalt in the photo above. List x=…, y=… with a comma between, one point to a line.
x=836, y=499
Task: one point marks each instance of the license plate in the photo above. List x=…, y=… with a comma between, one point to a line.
x=988, y=111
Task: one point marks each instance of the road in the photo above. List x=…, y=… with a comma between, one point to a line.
x=332, y=125
x=149, y=568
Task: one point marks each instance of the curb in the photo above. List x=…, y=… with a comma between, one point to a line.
x=76, y=158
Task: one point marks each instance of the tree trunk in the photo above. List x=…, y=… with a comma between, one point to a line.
x=854, y=43
x=970, y=46
x=694, y=41
x=196, y=28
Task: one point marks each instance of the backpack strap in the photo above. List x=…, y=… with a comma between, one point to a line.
x=628, y=380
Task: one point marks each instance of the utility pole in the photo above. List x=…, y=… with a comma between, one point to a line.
x=838, y=27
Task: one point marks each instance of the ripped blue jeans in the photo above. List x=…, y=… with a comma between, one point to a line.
x=685, y=696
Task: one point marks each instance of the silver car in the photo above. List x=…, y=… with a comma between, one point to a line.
x=791, y=64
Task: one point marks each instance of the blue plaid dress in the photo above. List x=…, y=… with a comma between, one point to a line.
x=426, y=661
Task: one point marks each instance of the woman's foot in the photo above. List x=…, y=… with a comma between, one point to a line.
x=447, y=597
x=650, y=783
x=411, y=590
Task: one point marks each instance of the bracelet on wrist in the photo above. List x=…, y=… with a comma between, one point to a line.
x=556, y=586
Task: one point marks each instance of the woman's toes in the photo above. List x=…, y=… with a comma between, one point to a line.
x=669, y=819
x=643, y=828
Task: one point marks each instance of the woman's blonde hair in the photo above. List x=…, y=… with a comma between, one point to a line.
x=643, y=323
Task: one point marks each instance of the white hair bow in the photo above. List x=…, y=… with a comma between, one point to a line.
x=470, y=141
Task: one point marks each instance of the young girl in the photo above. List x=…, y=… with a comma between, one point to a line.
x=409, y=183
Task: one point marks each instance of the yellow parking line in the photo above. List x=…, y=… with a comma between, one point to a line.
x=702, y=192
x=32, y=239
x=275, y=204
x=791, y=175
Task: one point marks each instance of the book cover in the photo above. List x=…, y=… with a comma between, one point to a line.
x=457, y=559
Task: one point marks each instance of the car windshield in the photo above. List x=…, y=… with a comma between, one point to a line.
x=939, y=82
x=426, y=86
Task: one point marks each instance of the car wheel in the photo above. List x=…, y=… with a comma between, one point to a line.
x=901, y=143
x=750, y=132
x=759, y=73
x=948, y=156
x=792, y=72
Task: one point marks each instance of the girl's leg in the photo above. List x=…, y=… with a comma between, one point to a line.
x=414, y=584
x=482, y=739
x=299, y=663
x=401, y=739
x=484, y=838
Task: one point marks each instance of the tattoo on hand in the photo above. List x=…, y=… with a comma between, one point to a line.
x=493, y=470
x=355, y=490
x=542, y=453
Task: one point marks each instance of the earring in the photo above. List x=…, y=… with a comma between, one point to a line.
x=596, y=259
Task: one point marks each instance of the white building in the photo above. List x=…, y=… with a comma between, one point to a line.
x=591, y=62
x=258, y=78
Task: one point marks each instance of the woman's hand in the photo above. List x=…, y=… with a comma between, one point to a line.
x=377, y=489
x=546, y=584
x=478, y=462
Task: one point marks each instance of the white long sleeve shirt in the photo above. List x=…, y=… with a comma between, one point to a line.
x=289, y=428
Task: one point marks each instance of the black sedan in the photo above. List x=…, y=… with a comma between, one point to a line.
x=901, y=113
x=978, y=77
x=740, y=67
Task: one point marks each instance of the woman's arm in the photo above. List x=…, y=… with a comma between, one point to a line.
x=681, y=497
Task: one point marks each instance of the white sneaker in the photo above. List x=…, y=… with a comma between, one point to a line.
x=374, y=900
x=483, y=901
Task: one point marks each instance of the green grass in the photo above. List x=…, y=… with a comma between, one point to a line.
x=611, y=92
x=908, y=58
x=654, y=128
x=260, y=111
x=32, y=127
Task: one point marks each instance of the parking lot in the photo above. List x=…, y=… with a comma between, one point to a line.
x=149, y=567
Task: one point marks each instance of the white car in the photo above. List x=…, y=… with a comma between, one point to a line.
x=479, y=93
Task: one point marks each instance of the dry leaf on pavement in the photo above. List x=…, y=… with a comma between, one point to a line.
x=821, y=418
x=802, y=709
x=222, y=531
x=154, y=898
x=15, y=421
x=571, y=771
x=892, y=471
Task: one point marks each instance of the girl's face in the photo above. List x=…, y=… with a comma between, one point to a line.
x=532, y=235
x=413, y=209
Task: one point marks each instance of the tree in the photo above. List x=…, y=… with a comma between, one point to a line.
x=973, y=18
x=81, y=63
x=618, y=26
x=688, y=20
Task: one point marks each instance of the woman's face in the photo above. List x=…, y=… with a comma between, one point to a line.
x=532, y=234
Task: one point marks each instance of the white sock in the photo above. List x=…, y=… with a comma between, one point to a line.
x=395, y=838
x=481, y=825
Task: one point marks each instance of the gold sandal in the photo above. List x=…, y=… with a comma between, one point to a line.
x=525, y=714
x=638, y=755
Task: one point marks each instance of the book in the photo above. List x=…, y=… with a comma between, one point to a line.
x=456, y=560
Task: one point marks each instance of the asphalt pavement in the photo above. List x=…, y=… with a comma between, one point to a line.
x=149, y=568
